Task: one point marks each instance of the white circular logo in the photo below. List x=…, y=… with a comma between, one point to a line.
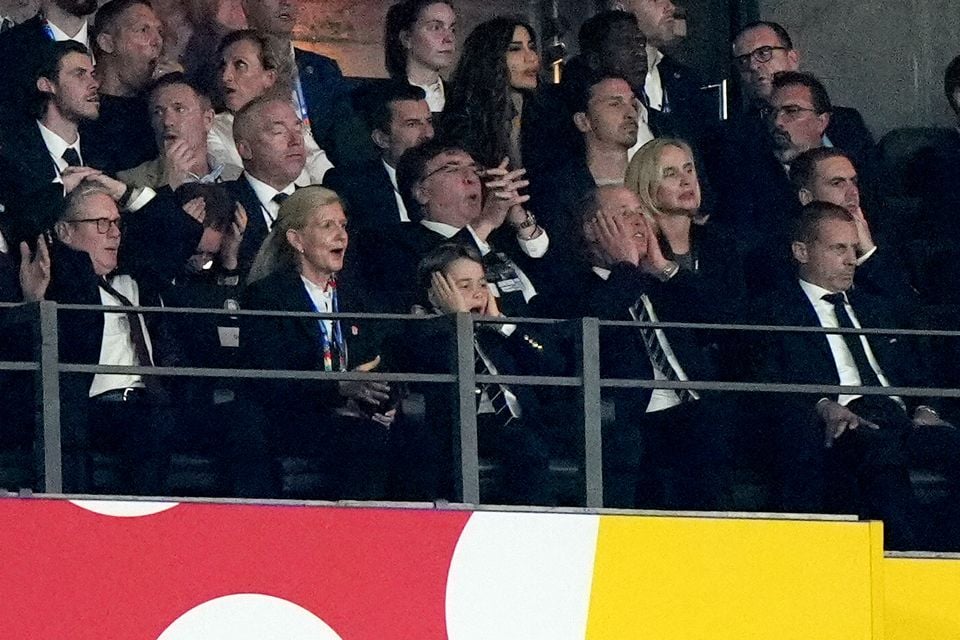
x=248, y=616
x=124, y=509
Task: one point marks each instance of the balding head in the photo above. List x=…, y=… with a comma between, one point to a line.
x=269, y=139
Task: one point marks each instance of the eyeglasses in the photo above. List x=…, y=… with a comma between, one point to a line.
x=760, y=54
x=103, y=224
x=451, y=168
x=790, y=112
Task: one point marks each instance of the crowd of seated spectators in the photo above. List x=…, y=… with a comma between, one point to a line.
x=193, y=156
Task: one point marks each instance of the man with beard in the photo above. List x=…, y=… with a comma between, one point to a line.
x=22, y=48
x=127, y=39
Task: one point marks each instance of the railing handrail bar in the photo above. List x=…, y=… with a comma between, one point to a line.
x=761, y=328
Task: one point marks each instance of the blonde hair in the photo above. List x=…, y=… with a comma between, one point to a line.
x=276, y=253
x=643, y=172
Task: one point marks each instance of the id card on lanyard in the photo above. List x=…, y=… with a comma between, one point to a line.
x=327, y=341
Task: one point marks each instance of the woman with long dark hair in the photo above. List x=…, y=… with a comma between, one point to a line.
x=492, y=86
x=419, y=44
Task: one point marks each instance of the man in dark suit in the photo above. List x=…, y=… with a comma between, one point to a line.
x=849, y=452
x=270, y=142
x=827, y=174
x=627, y=277
x=127, y=40
x=399, y=118
x=23, y=46
x=670, y=86
x=442, y=187
x=760, y=51
x=320, y=92
x=126, y=412
x=35, y=154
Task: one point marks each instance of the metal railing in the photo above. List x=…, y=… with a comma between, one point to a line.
x=44, y=318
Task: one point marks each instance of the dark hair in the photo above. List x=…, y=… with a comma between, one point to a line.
x=410, y=169
x=818, y=93
x=804, y=166
x=439, y=258
x=373, y=102
x=107, y=16
x=400, y=17
x=218, y=204
x=480, y=94
x=781, y=33
x=49, y=66
x=807, y=225
x=951, y=82
x=595, y=31
x=579, y=89
x=178, y=77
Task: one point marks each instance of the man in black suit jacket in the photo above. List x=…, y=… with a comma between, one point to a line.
x=399, y=118
x=128, y=412
x=441, y=186
x=823, y=442
x=670, y=86
x=827, y=174
x=23, y=46
x=627, y=277
x=271, y=165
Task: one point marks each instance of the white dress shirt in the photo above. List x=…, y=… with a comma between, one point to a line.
x=653, y=86
x=842, y=358
x=644, y=134
x=56, y=146
x=435, y=94
x=59, y=35
x=116, y=347
x=322, y=299
x=660, y=399
x=265, y=194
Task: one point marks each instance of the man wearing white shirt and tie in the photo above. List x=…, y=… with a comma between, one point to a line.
x=269, y=137
x=848, y=452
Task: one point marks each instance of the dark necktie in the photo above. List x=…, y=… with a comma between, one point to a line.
x=71, y=157
x=280, y=198
x=655, y=350
x=6, y=25
x=868, y=377
x=496, y=393
x=136, y=329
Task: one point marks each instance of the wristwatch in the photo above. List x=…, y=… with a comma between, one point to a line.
x=529, y=221
x=669, y=271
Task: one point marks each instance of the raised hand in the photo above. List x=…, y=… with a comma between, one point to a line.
x=445, y=295
x=34, y=271
x=618, y=240
x=232, y=237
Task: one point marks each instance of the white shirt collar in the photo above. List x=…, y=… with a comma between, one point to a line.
x=815, y=292
x=59, y=35
x=603, y=273
x=654, y=56
x=265, y=192
x=436, y=98
x=391, y=172
x=57, y=145
x=444, y=229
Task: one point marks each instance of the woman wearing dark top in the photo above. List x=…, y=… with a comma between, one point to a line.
x=346, y=424
x=493, y=87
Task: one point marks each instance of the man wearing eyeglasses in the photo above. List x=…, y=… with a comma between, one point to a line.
x=763, y=49
x=127, y=413
x=454, y=198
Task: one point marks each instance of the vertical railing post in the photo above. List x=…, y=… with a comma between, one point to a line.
x=588, y=347
x=48, y=395
x=465, y=440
